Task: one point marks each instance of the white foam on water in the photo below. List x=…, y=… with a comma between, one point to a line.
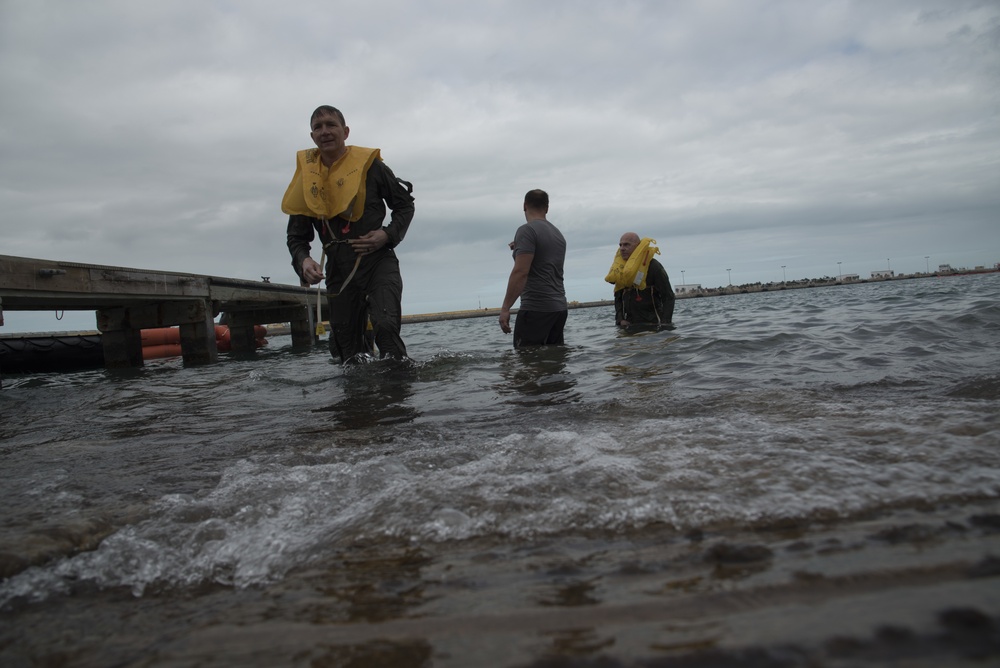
x=266, y=517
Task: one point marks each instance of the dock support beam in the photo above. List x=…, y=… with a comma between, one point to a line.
x=198, y=339
x=121, y=331
x=241, y=322
x=122, y=348
x=242, y=339
x=304, y=332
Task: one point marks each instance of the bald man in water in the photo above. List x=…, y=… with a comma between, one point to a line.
x=653, y=306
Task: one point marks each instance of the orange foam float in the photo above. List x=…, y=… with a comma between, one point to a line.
x=160, y=342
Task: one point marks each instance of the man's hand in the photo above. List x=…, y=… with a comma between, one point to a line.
x=369, y=243
x=505, y=320
x=311, y=271
x=515, y=286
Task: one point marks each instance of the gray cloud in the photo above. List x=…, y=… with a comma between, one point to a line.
x=742, y=135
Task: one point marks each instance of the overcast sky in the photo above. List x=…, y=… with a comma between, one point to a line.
x=742, y=135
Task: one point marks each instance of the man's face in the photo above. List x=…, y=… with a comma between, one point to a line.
x=329, y=135
x=627, y=245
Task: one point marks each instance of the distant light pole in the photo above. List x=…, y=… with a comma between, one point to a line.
x=927, y=261
x=683, y=282
x=730, y=276
x=783, y=279
x=887, y=265
x=840, y=275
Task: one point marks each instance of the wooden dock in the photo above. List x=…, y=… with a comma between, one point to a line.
x=129, y=300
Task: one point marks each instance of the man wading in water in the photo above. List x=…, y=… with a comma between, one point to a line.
x=643, y=296
x=340, y=193
x=537, y=278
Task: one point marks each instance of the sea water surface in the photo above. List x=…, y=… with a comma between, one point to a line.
x=801, y=477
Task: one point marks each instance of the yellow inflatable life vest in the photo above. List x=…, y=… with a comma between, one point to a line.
x=632, y=273
x=322, y=192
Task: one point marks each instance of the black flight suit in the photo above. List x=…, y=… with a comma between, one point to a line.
x=376, y=290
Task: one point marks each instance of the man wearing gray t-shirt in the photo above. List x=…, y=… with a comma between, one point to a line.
x=539, y=251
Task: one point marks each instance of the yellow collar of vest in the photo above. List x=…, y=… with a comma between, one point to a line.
x=328, y=192
x=632, y=273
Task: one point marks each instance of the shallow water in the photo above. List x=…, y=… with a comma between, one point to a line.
x=782, y=472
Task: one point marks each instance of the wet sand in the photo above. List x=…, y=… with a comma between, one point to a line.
x=914, y=587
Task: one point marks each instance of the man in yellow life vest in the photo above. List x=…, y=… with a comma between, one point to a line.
x=339, y=193
x=643, y=295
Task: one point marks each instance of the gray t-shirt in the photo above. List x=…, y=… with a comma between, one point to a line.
x=544, y=289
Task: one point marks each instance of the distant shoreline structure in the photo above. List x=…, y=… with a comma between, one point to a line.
x=692, y=294
x=698, y=291
x=695, y=290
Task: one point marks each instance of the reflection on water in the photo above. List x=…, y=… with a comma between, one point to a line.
x=377, y=394
x=539, y=375
x=370, y=654
x=375, y=585
x=644, y=356
x=579, y=642
x=571, y=593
